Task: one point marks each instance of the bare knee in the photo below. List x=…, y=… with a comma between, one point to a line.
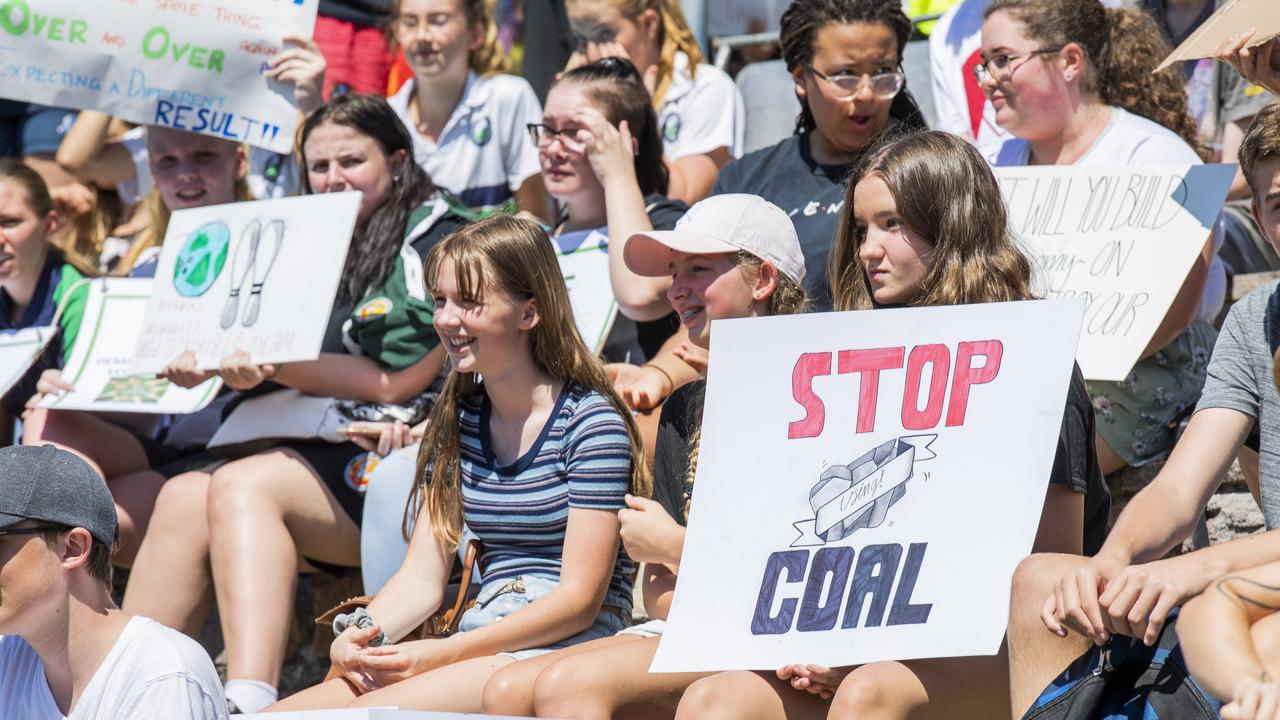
x=566, y=689
x=509, y=691
x=1036, y=575
x=181, y=502
x=241, y=485
x=713, y=696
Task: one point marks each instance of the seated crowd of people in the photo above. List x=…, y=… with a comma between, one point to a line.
x=482, y=425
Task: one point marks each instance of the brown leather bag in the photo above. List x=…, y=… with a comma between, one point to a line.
x=442, y=623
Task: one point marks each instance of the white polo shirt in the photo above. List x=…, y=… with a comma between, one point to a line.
x=701, y=113
x=484, y=153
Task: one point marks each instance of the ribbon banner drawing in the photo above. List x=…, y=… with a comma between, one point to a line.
x=858, y=495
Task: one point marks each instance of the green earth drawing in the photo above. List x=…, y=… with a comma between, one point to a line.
x=201, y=259
x=143, y=389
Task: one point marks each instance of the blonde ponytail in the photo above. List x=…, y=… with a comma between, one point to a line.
x=676, y=37
x=490, y=58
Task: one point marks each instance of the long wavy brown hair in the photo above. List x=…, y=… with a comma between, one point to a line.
x=947, y=194
x=1122, y=46
x=515, y=257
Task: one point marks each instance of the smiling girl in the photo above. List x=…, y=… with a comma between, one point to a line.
x=714, y=276
x=466, y=116
x=533, y=450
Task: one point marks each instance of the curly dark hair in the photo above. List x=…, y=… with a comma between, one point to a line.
x=804, y=18
x=1123, y=47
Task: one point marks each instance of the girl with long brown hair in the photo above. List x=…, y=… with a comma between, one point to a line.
x=898, y=247
x=528, y=445
x=1072, y=81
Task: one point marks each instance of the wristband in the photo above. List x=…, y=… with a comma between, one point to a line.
x=671, y=384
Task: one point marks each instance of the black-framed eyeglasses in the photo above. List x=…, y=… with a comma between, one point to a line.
x=883, y=85
x=30, y=530
x=998, y=66
x=543, y=134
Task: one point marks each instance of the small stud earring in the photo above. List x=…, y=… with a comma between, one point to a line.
x=1070, y=77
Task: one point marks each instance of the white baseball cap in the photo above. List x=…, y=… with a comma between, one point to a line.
x=721, y=224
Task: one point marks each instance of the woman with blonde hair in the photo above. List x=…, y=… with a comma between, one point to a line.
x=897, y=247
x=700, y=111
x=530, y=446
x=467, y=117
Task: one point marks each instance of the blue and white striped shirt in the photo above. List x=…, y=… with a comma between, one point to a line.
x=520, y=512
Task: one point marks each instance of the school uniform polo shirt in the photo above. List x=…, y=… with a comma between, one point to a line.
x=701, y=113
x=484, y=153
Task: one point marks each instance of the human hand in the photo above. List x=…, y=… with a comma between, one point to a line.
x=73, y=199
x=301, y=65
x=1254, y=699
x=239, y=372
x=390, y=664
x=1259, y=65
x=1073, y=602
x=610, y=150
x=642, y=387
x=380, y=437
x=816, y=679
x=1137, y=600
x=693, y=356
x=648, y=532
x=344, y=655
x=50, y=383
x=183, y=373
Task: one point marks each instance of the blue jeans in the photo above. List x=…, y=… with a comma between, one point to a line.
x=499, y=599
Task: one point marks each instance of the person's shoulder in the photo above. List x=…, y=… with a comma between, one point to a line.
x=708, y=76
x=683, y=401
x=664, y=212
x=164, y=651
x=1258, y=300
x=507, y=89
x=585, y=406
x=1010, y=153
x=399, y=101
x=1146, y=141
x=749, y=167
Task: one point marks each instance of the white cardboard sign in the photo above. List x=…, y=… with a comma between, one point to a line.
x=1122, y=238
x=183, y=64
x=19, y=350
x=254, y=276
x=99, y=362
x=584, y=263
x=866, y=484
x=1229, y=21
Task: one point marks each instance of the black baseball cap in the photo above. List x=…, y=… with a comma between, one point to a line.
x=41, y=482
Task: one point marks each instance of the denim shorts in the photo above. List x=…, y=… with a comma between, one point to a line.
x=499, y=599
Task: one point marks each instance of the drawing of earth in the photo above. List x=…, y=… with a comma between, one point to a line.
x=201, y=259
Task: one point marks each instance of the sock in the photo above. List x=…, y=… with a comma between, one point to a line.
x=251, y=696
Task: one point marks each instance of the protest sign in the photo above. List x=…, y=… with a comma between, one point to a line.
x=19, y=350
x=253, y=276
x=1233, y=19
x=866, y=483
x=99, y=363
x=584, y=263
x=1122, y=238
x=194, y=66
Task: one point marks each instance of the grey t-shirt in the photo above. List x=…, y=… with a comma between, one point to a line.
x=1240, y=378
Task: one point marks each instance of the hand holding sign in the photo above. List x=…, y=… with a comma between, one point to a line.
x=1259, y=65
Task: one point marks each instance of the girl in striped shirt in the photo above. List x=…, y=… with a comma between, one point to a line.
x=530, y=445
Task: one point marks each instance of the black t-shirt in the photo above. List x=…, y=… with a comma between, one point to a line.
x=636, y=342
x=811, y=193
x=681, y=416
x=1076, y=463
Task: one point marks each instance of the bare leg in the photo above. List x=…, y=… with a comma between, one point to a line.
x=1108, y=461
x=1036, y=655
x=170, y=581
x=453, y=688
x=327, y=695
x=264, y=511
x=748, y=696
x=968, y=687
x=108, y=448
x=510, y=690
x=611, y=682
x=135, y=495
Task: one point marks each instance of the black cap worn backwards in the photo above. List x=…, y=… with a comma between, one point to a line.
x=41, y=482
